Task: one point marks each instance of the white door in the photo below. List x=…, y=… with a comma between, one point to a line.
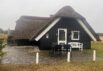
x=62, y=36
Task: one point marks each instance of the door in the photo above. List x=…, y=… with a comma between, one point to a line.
x=62, y=36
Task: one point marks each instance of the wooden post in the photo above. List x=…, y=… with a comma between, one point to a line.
x=68, y=56
x=94, y=55
x=37, y=57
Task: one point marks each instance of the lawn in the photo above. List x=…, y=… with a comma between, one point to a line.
x=98, y=46
x=73, y=66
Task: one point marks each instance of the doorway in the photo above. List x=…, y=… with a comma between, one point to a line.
x=62, y=36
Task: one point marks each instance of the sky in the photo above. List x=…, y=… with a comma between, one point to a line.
x=12, y=10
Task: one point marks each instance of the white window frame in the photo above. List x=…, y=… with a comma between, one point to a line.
x=47, y=35
x=62, y=41
x=72, y=35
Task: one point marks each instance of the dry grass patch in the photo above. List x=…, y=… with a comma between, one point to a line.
x=3, y=36
x=73, y=66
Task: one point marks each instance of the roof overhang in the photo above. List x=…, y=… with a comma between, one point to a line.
x=47, y=29
x=86, y=29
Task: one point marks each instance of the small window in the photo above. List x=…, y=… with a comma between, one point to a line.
x=75, y=35
x=47, y=35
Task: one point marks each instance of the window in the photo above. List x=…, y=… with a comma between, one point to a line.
x=47, y=35
x=75, y=35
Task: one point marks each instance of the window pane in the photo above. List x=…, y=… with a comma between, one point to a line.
x=76, y=35
x=61, y=35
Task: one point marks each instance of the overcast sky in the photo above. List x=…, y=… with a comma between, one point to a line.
x=11, y=10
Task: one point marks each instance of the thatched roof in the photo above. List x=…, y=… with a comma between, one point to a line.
x=28, y=27
x=68, y=11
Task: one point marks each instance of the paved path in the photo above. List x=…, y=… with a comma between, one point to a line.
x=25, y=55
x=17, y=55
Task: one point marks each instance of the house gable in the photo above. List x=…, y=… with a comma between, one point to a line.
x=57, y=20
x=70, y=13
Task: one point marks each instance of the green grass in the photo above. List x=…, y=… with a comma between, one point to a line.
x=1, y=54
x=87, y=52
x=98, y=46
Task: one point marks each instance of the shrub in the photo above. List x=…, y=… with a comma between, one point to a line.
x=1, y=44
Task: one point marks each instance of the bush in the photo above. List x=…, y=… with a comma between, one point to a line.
x=1, y=44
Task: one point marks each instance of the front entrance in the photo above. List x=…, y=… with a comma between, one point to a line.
x=62, y=36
